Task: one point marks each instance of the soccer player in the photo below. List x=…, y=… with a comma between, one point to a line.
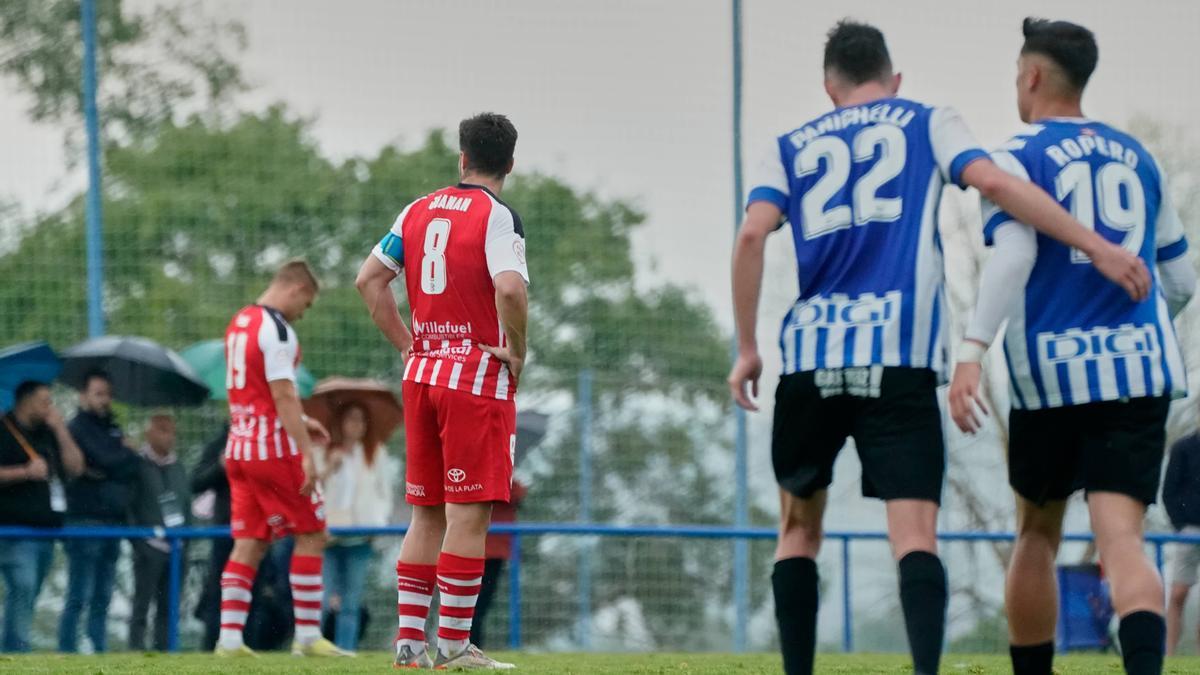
x=268, y=459
x=462, y=252
x=1091, y=372
x=863, y=345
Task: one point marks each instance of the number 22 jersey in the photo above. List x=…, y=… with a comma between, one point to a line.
x=450, y=245
x=1074, y=337
x=861, y=186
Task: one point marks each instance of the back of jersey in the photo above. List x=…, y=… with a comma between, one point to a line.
x=861, y=187
x=450, y=245
x=1076, y=338
x=260, y=347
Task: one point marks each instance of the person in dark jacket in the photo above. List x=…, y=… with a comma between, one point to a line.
x=100, y=497
x=1181, y=497
x=211, y=488
x=37, y=457
x=161, y=499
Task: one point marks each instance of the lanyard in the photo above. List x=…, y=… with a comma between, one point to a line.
x=12, y=428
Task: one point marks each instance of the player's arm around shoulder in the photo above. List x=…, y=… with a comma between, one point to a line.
x=1028, y=203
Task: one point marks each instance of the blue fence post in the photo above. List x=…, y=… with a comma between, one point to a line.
x=514, y=594
x=1158, y=556
x=847, y=608
x=584, y=582
x=174, y=581
x=741, y=516
x=94, y=217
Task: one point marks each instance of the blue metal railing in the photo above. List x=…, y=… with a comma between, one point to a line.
x=177, y=536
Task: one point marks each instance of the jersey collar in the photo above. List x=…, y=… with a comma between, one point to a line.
x=473, y=186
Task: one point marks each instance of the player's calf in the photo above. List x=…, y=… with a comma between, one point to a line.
x=1136, y=586
x=912, y=531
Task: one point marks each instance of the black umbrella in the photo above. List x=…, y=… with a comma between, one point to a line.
x=142, y=371
x=531, y=427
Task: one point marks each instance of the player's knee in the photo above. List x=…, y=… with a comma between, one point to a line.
x=1040, y=532
x=799, y=536
x=468, y=517
x=1179, y=594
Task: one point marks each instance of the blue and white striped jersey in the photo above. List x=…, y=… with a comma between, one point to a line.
x=1074, y=337
x=861, y=187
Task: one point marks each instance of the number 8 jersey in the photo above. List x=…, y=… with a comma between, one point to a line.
x=450, y=245
x=1074, y=338
x=861, y=186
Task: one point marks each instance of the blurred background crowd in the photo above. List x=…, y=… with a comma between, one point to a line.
x=116, y=462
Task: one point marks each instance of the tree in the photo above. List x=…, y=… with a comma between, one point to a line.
x=201, y=201
x=198, y=214
x=41, y=49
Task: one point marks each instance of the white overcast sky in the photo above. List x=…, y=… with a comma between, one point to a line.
x=631, y=98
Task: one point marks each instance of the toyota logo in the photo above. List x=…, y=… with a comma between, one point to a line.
x=456, y=475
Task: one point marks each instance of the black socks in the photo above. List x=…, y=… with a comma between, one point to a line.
x=1032, y=659
x=923, y=597
x=795, y=585
x=1143, y=642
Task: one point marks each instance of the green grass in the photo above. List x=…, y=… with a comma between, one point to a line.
x=565, y=664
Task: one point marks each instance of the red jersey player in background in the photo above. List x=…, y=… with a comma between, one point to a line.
x=268, y=459
x=462, y=252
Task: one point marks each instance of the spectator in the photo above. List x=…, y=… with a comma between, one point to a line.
x=357, y=477
x=1181, y=497
x=37, y=456
x=212, y=490
x=497, y=550
x=160, y=500
x=100, y=497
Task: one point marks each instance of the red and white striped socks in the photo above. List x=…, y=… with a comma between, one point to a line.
x=458, y=580
x=414, y=586
x=307, y=589
x=236, y=582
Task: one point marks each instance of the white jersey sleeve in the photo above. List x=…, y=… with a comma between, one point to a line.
x=390, y=249
x=953, y=145
x=278, y=344
x=994, y=216
x=1169, y=240
x=1003, y=280
x=504, y=244
x=769, y=179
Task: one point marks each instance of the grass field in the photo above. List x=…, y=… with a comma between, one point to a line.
x=566, y=664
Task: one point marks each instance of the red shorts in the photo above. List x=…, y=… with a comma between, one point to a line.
x=459, y=446
x=266, y=499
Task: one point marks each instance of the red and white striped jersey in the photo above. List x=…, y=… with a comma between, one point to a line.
x=260, y=347
x=450, y=245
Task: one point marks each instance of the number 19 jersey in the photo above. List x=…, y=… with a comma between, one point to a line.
x=449, y=246
x=861, y=186
x=1075, y=338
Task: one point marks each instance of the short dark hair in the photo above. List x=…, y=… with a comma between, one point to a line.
x=26, y=389
x=857, y=52
x=488, y=141
x=1071, y=46
x=95, y=374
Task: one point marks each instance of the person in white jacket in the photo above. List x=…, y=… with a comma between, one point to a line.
x=357, y=477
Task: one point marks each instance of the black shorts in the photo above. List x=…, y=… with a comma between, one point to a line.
x=892, y=414
x=1110, y=446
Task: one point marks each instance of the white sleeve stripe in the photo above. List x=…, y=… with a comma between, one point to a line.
x=383, y=258
x=1005, y=160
